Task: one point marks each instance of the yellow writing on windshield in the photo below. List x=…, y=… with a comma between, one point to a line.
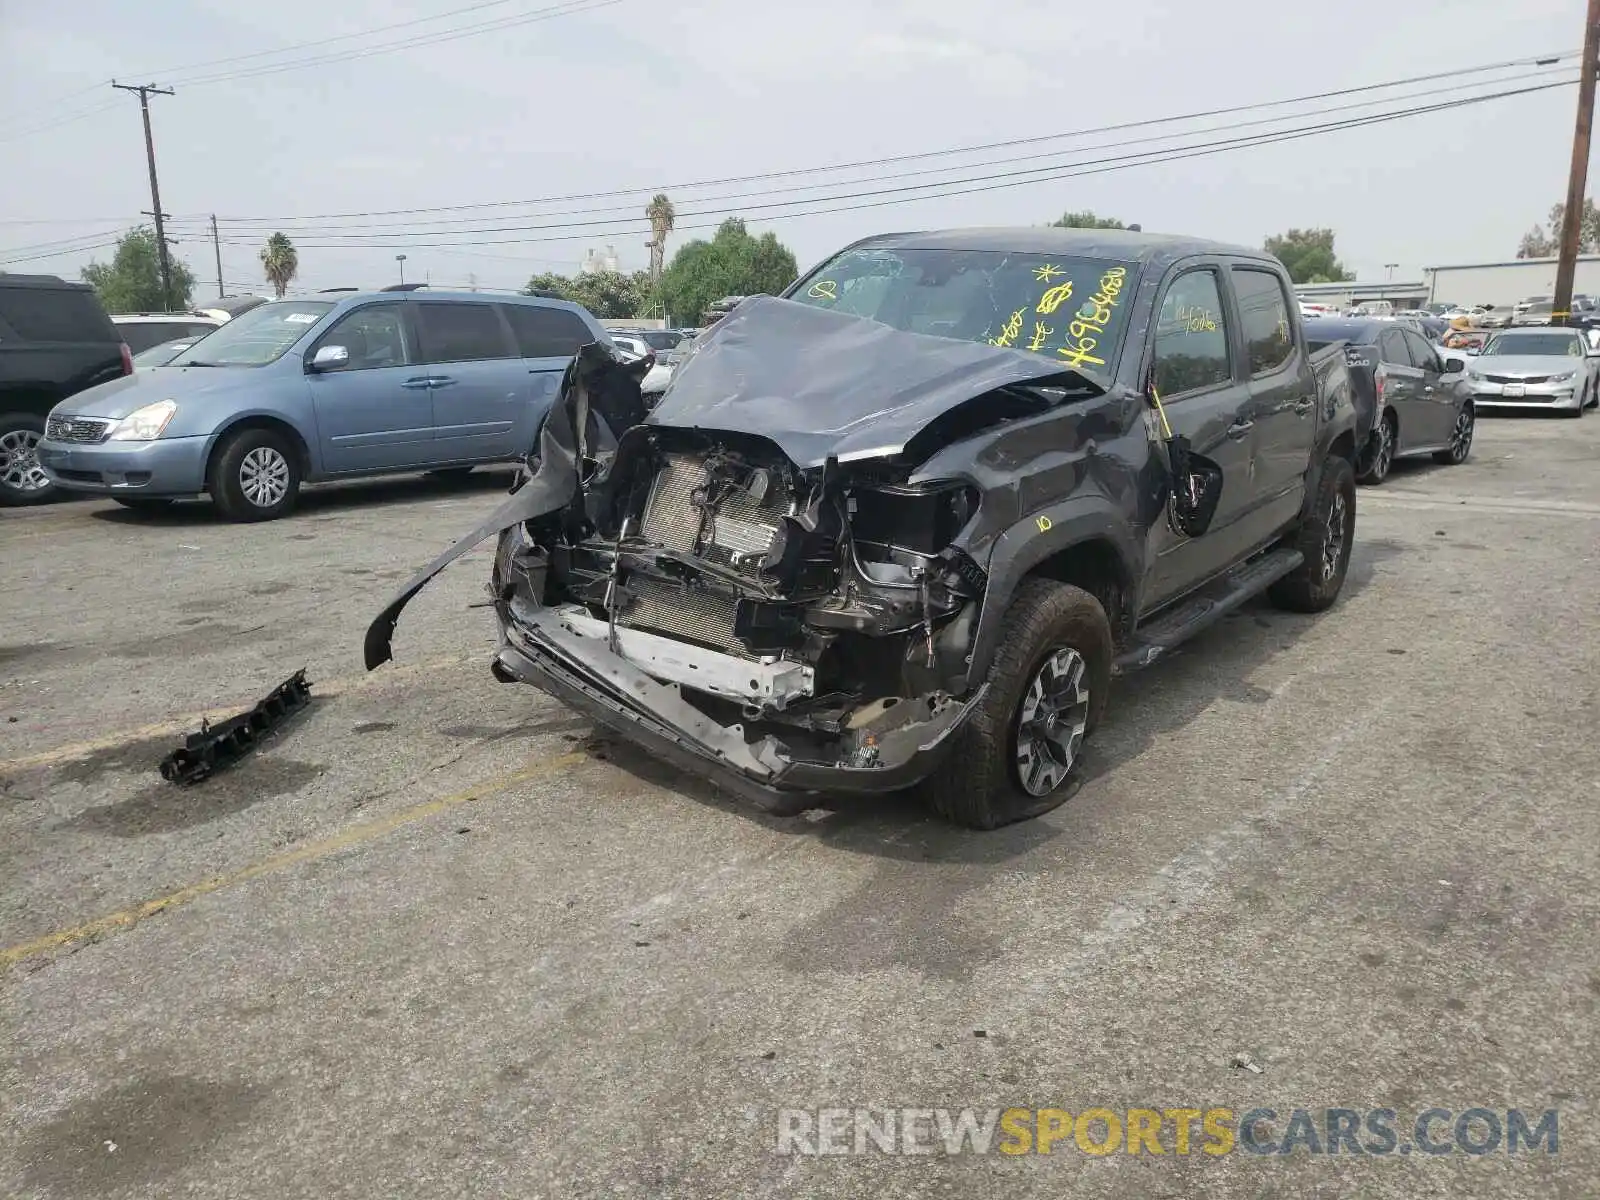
x=1195, y=319
x=1047, y=272
x=1041, y=334
x=823, y=289
x=1013, y=328
x=1055, y=298
x=1092, y=318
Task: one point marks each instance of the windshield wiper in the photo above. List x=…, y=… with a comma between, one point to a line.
x=195, y=362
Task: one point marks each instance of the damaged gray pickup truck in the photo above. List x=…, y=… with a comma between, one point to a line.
x=903, y=525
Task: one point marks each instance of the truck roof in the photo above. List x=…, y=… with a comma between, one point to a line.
x=1135, y=245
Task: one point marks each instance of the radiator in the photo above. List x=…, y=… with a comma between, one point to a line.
x=682, y=612
x=742, y=529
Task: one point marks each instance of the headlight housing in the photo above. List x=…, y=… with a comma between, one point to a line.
x=145, y=424
x=1567, y=378
x=1474, y=376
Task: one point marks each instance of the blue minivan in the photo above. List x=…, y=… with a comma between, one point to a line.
x=306, y=390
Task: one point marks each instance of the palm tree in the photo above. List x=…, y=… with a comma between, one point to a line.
x=280, y=261
x=662, y=217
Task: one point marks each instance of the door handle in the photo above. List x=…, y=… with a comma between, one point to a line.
x=1427, y=389
x=420, y=381
x=440, y=381
x=1239, y=428
x=1305, y=406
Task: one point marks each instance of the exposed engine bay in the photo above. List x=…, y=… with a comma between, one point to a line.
x=825, y=607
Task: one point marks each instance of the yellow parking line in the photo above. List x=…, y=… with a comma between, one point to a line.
x=333, y=687
x=128, y=917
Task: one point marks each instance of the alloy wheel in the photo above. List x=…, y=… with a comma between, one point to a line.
x=1383, y=458
x=1333, y=537
x=1461, y=436
x=264, y=476
x=1052, y=722
x=19, y=461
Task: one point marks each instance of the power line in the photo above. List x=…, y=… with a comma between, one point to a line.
x=567, y=9
x=1003, y=180
x=1524, y=61
x=390, y=230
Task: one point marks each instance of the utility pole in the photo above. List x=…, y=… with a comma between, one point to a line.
x=216, y=244
x=145, y=91
x=1578, y=179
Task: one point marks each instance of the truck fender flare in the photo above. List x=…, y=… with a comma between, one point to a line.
x=1038, y=536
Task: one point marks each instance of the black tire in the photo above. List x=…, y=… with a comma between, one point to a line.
x=1572, y=413
x=21, y=481
x=1314, y=585
x=1460, y=439
x=144, y=503
x=1386, y=439
x=250, y=454
x=979, y=785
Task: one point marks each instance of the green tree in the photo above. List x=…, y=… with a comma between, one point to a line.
x=733, y=263
x=1308, y=256
x=1538, y=244
x=1086, y=220
x=281, y=262
x=131, y=281
x=662, y=218
x=609, y=295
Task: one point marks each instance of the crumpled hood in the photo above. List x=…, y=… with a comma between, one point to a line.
x=1524, y=364
x=826, y=384
x=186, y=385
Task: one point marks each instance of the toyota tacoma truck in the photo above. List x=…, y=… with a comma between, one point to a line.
x=902, y=525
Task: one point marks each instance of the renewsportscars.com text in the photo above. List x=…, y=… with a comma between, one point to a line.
x=1215, y=1132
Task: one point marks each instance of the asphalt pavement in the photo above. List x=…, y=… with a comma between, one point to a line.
x=438, y=938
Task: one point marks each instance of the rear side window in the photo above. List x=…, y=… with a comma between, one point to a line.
x=1192, y=336
x=1264, y=310
x=141, y=335
x=49, y=315
x=547, y=332
x=461, y=332
x=1392, y=349
x=1422, y=354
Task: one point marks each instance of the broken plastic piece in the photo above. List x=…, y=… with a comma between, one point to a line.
x=221, y=745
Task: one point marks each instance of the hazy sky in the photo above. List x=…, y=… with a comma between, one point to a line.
x=635, y=95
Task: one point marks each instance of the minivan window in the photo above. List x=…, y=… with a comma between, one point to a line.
x=543, y=332
x=1191, y=350
x=55, y=315
x=463, y=332
x=374, y=336
x=141, y=335
x=1264, y=312
x=255, y=338
x=1071, y=309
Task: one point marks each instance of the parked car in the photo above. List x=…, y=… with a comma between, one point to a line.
x=656, y=379
x=55, y=341
x=634, y=347
x=658, y=340
x=1547, y=368
x=225, y=308
x=1419, y=402
x=1536, y=313
x=898, y=527
x=143, y=330
x=305, y=390
x=161, y=355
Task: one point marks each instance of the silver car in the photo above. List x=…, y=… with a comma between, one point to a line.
x=1546, y=368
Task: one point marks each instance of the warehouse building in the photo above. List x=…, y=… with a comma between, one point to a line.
x=1504, y=283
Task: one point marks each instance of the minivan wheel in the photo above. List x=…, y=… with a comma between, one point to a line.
x=1017, y=755
x=22, y=479
x=254, y=476
x=1324, y=539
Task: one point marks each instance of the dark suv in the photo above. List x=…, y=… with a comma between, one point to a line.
x=55, y=340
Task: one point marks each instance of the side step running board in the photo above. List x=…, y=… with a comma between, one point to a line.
x=1213, y=602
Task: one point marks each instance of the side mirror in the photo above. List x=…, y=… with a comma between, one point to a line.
x=1454, y=366
x=1196, y=488
x=330, y=358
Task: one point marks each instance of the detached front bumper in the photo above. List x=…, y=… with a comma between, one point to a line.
x=163, y=467
x=557, y=656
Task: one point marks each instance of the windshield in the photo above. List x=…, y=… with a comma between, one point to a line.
x=256, y=338
x=160, y=356
x=1071, y=309
x=660, y=339
x=1542, y=345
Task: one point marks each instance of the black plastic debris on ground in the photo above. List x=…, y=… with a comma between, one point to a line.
x=218, y=746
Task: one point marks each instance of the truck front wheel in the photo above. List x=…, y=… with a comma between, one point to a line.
x=1016, y=755
x=1324, y=538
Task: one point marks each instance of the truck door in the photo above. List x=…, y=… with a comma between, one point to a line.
x=1282, y=404
x=1194, y=371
